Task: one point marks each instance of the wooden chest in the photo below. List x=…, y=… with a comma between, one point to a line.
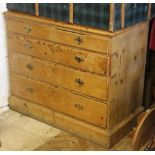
x=85, y=81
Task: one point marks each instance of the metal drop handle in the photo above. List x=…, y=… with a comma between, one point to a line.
x=79, y=58
x=78, y=40
x=79, y=106
x=27, y=29
x=79, y=82
x=29, y=67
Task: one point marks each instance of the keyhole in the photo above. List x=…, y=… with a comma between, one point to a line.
x=135, y=58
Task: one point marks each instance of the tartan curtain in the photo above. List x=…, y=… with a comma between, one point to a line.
x=152, y=9
x=94, y=15
x=135, y=13
x=88, y=14
x=22, y=7
x=117, y=16
x=58, y=11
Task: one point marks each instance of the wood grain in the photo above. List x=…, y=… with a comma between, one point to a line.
x=54, y=73
x=28, y=28
x=149, y=10
x=81, y=40
x=71, y=12
x=111, y=19
x=37, y=9
x=59, y=120
x=122, y=15
x=76, y=127
x=127, y=70
x=72, y=57
x=21, y=16
x=60, y=100
x=99, y=107
x=145, y=130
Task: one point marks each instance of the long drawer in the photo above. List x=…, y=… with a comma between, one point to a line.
x=42, y=31
x=60, y=100
x=81, y=59
x=81, y=82
x=28, y=28
x=87, y=41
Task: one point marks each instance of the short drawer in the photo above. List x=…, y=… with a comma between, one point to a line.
x=86, y=41
x=30, y=29
x=88, y=84
x=59, y=100
x=76, y=58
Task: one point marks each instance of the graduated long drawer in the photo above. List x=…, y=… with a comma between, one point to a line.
x=67, y=37
x=75, y=80
x=60, y=100
x=80, y=59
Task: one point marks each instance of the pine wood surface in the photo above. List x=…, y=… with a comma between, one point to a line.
x=81, y=40
x=67, y=26
x=145, y=129
x=59, y=100
x=53, y=73
x=28, y=28
x=95, y=134
x=66, y=55
x=81, y=99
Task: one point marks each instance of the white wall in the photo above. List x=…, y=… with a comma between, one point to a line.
x=4, y=82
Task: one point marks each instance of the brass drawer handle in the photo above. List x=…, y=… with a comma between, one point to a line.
x=29, y=67
x=28, y=45
x=78, y=106
x=78, y=40
x=79, y=82
x=30, y=90
x=27, y=29
x=79, y=58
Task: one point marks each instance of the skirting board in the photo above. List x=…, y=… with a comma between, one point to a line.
x=79, y=128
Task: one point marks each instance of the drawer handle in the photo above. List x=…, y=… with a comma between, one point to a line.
x=29, y=67
x=78, y=40
x=28, y=45
x=79, y=82
x=78, y=106
x=79, y=58
x=30, y=90
x=27, y=29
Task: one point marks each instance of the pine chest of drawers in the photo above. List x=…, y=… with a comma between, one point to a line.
x=85, y=81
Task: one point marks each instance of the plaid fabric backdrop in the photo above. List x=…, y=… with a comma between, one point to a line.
x=22, y=7
x=88, y=14
x=56, y=11
x=94, y=15
x=117, y=16
x=152, y=9
x=135, y=13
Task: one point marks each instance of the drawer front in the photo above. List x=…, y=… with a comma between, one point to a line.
x=81, y=82
x=30, y=29
x=90, y=42
x=80, y=59
x=57, y=99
